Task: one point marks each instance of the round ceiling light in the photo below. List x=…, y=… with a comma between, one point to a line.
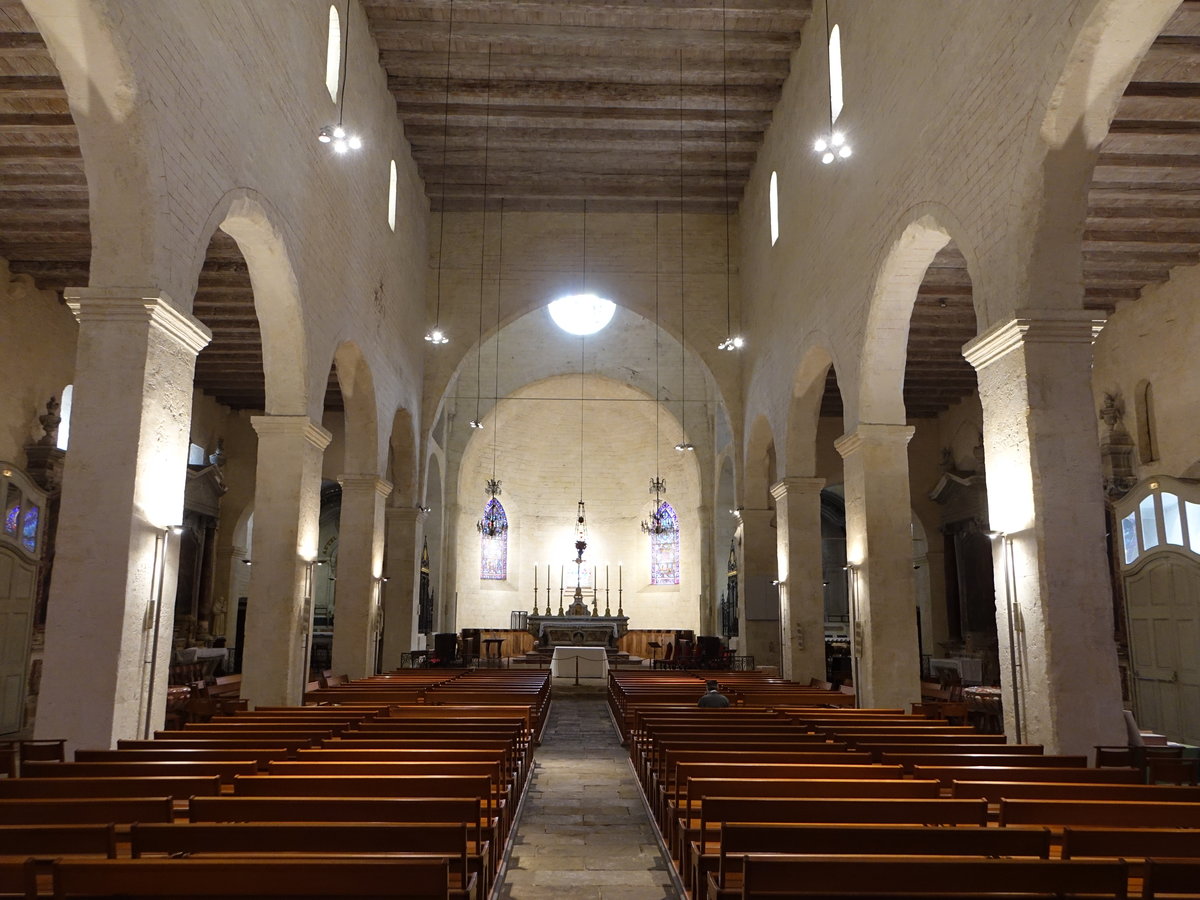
x=582, y=314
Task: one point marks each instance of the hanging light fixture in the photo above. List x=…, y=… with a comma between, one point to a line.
x=734, y=341
x=684, y=444
x=336, y=135
x=833, y=145
x=493, y=523
x=435, y=335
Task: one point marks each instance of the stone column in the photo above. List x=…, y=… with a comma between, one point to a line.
x=879, y=555
x=706, y=599
x=360, y=566
x=760, y=611
x=113, y=590
x=402, y=563
x=287, y=505
x=1045, y=497
x=801, y=585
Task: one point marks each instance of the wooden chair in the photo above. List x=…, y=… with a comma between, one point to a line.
x=8, y=760
x=1120, y=757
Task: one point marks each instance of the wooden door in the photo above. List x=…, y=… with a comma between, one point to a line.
x=1163, y=605
x=16, y=622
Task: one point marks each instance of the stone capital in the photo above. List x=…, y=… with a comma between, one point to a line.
x=292, y=426
x=404, y=515
x=1033, y=326
x=866, y=434
x=132, y=306
x=365, y=483
x=796, y=485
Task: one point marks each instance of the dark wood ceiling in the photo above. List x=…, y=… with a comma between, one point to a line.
x=584, y=98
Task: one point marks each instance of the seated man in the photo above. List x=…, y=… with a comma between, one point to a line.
x=713, y=697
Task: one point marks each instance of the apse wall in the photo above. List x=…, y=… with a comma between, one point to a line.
x=538, y=462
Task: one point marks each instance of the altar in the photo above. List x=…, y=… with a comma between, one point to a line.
x=578, y=631
x=579, y=662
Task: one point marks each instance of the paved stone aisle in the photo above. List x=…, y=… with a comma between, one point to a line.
x=584, y=833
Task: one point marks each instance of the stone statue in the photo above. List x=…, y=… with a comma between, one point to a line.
x=50, y=422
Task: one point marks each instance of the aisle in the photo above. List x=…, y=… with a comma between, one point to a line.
x=584, y=832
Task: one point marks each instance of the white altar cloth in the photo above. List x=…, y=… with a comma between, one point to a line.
x=592, y=662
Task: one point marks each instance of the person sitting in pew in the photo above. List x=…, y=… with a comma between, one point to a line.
x=714, y=697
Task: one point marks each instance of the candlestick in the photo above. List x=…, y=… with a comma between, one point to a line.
x=535, y=589
x=547, y=588
x=607, y=610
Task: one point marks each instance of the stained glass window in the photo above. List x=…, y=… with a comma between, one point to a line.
x=29, y=528
x=12, y=509
x=493, y=556
x=664, y=548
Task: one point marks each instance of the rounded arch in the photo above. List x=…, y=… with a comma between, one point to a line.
x=760, y=465
x=1106, y=52
x=923, y=231
x=402, y=469
x=804, y=410
x=251, y=220
x=117, y=140
x=358, y=395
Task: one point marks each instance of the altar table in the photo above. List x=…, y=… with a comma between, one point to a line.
x=592, y=662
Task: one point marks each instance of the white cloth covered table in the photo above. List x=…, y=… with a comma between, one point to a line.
x=592, y=662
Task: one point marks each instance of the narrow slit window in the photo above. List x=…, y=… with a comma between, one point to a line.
x=333, y=55
x=392, y=195
x=835, y=73
x=1193, y=524
x=64, y=427
x=774, y=199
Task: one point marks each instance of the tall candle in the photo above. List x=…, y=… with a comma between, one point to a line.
x=618, y=576
x=606, y=577
x=595, y=577
x=535, y=578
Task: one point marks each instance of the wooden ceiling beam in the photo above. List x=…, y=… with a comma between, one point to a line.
x=433, y=115
x=580, y=94
x=12, y=154
x=23, y=182
x=27, y=86
x=26, y=123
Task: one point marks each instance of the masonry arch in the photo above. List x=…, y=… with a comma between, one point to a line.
x=761, y=467
x=357, y=389
x=402, y=468
x=117, y=141
x=809, y=386
x=880, y=398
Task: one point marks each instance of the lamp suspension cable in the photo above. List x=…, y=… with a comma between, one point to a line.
x=436, y=335
x=582, y=350
x=496, y=377
x=684, y=444
x=733, y=341
x=654, y=524
x=477, y=422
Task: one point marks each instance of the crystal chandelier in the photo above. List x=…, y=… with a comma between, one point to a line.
x=658, y=522
x=493, y=523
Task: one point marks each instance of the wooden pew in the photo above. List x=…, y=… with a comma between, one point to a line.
x=85, y=811
x=718, y=875
x=657, y=767
x=688, y=822
x=995, y=791
x=177, y=787
x=1101, y=813
x=908, y=760
x=940, y=877
x=172, y=754
x=674, y=789
x=449, y=840
x=948, y=774
x=57, y=840
x=226, y=771
x=1130, y=843
x=354, y=809
x=298, y=879
x=18, y=878
x=207, y=742
x=1176, y=877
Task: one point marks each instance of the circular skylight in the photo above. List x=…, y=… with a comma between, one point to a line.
x=582, y=313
